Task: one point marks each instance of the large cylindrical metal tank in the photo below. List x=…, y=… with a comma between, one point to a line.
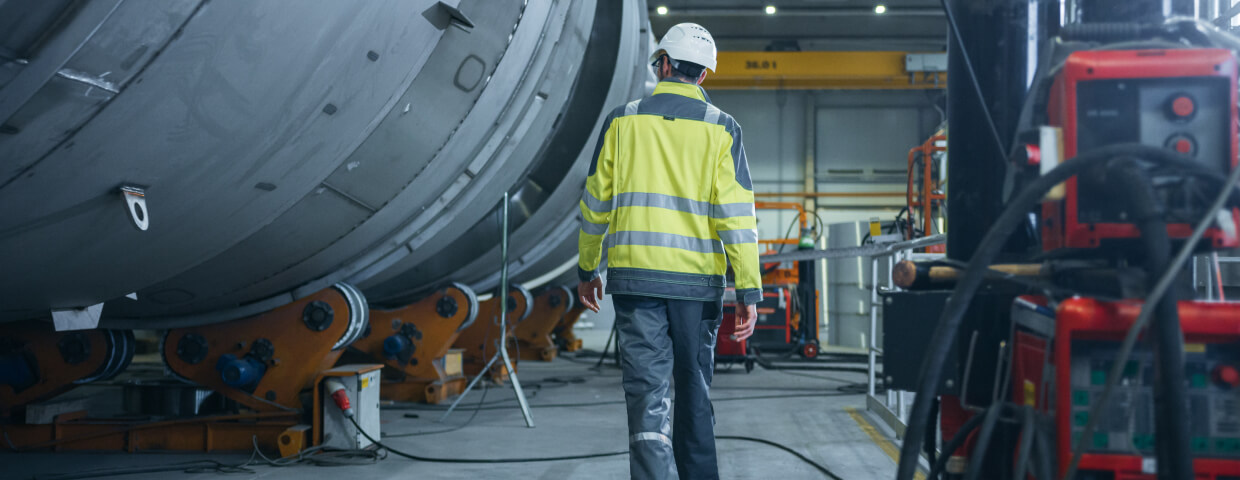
x=287, y=145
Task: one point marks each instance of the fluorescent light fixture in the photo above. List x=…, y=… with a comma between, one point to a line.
x=770, y=9
x=662, y=10
x=880, y=9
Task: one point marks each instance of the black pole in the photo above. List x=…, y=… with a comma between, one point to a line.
x=994, y=37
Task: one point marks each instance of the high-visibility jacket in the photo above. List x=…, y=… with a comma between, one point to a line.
x=669, y=188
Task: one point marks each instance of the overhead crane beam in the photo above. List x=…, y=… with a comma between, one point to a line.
x=821, y=71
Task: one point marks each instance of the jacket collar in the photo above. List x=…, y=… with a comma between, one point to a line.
x=683, y=89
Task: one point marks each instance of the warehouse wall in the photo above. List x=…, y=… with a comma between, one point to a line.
x=860, y=144
x=858, y=141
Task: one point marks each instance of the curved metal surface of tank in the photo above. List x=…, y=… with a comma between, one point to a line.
x=284, y=147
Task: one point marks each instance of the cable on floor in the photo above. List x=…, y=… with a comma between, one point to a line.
x=472, y=416
x=825, y=471
x=816, y=465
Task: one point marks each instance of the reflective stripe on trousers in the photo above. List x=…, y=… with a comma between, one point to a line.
x=661, y=340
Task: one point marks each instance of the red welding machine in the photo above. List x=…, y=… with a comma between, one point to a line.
x=1060, y=363
x=1184, y=100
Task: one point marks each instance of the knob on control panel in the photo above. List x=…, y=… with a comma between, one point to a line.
x=1182, y=143
x=1182, y=107
x=1227, y=376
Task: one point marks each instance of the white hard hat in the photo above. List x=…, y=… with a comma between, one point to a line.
x=688, y=42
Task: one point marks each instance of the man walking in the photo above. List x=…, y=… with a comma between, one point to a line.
x=669, y=187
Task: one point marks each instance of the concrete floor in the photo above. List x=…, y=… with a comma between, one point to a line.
x=801, y=410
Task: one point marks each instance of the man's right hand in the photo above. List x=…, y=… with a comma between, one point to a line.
x=590, y=293
x=746, y=319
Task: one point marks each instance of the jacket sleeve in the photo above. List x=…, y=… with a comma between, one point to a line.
x=596, y=203
x=734, y=218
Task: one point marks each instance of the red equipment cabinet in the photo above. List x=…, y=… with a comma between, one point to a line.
x=1078, y=340
x=1181, y=99
x=773, y=331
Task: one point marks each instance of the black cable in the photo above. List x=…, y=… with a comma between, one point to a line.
x=988, y=249
x=479, y=460
x=978, y=456
x=587, y=456
x=472, y=416
x=622, y=402
x=954, y=444
x=977, y=86
x=816, y=465
x=1173, y=449
x=1028, y=429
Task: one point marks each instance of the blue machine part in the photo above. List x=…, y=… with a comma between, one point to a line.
x=243, y=373
x=16, y=372
x=394, y=344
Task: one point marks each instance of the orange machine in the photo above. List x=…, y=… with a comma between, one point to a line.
x=263, y=363
x=925, y=194
x=480, y=340
x=565, y=338
x=37, y=362
x=534, y=333
x=414, y=341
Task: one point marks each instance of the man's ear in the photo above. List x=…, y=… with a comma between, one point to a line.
x=701, y=77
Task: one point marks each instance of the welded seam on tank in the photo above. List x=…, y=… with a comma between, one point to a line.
x=176, y=35
x=338, y=275
x=416, y=229
x=33, y=77
x=293, y=293
x=363, y=262
x=621, y=86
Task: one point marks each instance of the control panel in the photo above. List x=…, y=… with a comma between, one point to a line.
x=1182, y=100
x=1127, y=424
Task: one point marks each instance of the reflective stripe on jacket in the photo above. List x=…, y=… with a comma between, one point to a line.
x=669, y=187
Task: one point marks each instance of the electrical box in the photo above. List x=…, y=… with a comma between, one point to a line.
x=925, y=62
x=1183, y=100
x=361, y=384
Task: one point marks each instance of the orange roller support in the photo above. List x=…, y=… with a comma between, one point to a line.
x=37, y=362
x=413, y=342
x=565, y=338
x=480, y=340
x=534, y=334
x=264, y=362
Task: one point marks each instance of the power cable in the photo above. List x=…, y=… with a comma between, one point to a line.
x=988, y=249
x=472, y=416
x=825, y=471
x=587, y=456
x=1155, y=295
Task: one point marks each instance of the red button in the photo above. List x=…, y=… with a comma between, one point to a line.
x=1184, y=146
x=1183, y=107
x=1227, y=375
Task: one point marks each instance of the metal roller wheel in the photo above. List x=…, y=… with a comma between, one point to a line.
x=473, y=304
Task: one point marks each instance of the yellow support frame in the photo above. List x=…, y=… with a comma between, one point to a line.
x=818, y=71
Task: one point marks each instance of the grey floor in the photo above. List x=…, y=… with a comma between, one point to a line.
x=804, y=411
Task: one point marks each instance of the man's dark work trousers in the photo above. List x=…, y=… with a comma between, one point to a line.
x=661, y=338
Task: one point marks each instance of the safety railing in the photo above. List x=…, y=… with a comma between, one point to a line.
x=894, y=405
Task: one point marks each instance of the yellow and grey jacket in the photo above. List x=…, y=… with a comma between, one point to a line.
x=669, y=187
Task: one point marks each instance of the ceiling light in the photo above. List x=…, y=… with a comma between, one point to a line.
x=662, y=10
x=880, y=9
x=770, y=9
